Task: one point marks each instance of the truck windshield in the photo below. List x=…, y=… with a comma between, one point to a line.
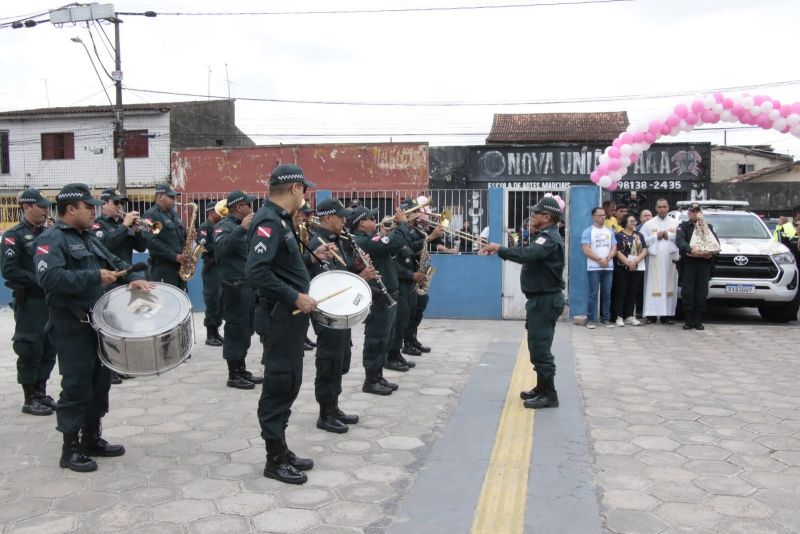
x=737, y=226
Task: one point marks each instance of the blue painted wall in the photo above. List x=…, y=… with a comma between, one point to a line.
x=582, y=199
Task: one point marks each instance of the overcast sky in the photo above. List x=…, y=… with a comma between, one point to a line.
x=524, y=54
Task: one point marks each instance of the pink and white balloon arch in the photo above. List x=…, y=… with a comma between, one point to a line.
x=758, y=110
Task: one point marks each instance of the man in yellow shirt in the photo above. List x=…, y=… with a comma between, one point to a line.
x=785, y=230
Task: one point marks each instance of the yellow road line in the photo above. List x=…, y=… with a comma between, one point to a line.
x=501, y=505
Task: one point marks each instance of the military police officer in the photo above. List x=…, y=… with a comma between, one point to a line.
x=212, y=291
x=230, y=244
x=120, y=235
x=166, y=246
x=542, y=282
x=277, y=272
x=380, y=322
x=334, y=345
x=695, y=271
x=35, y=354
x=73, y=267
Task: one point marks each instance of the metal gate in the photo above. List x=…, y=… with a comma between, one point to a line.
x=515, y=216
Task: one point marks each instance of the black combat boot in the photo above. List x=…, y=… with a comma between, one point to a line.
x=373, y=385
x=531, y=393
x=73, y=457
x=393, y=363
x=44, y=398
x=212, y=336
x=250, y=377
x=301, y=464
x=344, y=418
x=547, y=398
x=278, y=466
x=92, y=442
x=410, y=349
x=405, y=362
x=327, y=420
x=33, y=404
x=419, y=346
x=385, y=383
x=308, y=344
x=236, y=379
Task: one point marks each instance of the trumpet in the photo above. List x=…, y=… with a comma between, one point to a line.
x=144, y=225
x=48, y=222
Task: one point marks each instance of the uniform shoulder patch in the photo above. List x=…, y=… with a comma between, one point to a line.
x=41, y=266
x=9, y=241
x=376, y=238
x=540, y=241
x=9, y=252
x=203, y=232
x=260, y=248
x=385, y=240
x=99, y=234
x=95, y=226
x=219, y=230
x=41, y=250
x=264, y=231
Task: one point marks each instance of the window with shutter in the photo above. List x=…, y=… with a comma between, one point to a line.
x=5, y=166
x=58, y=145
x=136, y=144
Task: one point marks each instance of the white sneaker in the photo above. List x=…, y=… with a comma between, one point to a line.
x=590, y=325
x=633, y=321
x=620, y=322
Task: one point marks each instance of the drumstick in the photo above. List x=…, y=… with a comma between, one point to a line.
x=136, y=267
x=333, y=252
x=326, y=297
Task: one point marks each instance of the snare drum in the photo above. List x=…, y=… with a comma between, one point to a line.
x=345, y=310
x=143, y=333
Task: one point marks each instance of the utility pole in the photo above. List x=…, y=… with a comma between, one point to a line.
x=119, y=129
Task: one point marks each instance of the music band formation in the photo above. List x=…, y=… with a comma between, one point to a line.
x=270, y=272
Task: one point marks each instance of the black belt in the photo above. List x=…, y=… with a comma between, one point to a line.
x=70, y=315
x=539, y=294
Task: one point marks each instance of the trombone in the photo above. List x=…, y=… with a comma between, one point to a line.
x=443, y=222
x=389, y=223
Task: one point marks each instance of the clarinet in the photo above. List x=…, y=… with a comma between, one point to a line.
x=364, y=258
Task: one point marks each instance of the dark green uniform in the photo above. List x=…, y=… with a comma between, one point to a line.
x=68, y=263
x=695, y=274
x=230, y=243
x=118, y=238
x=165, y=246
x=36, y=355
x=333, y=345
x=542, y=282
x=407, y=296
x=277, y=272
x=212, y=292
x=380, y=321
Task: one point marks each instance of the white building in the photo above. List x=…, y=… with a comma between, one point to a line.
x=49, y=147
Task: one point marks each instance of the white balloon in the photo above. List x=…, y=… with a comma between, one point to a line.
x=603, y=159
x=604, y=181
x=793, y=119
x=615, y=175
x=625, y=161
x=709, y=101
x=638, y=148
x=748, y=102
x=796, y=130
x=623, y=171
x=780, y=124
x=727, y=116
x=774, y=114
x=675, y=131
x=766, y=105
x=626, y=150
x=756, y=110
x=717, y=108
x=646, y=146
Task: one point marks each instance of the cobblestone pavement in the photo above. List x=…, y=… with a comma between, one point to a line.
x=194, y=455
x=694, y=431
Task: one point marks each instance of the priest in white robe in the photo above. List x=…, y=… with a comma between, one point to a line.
x=661, y=277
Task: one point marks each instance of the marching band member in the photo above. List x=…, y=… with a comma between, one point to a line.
x=212, y=289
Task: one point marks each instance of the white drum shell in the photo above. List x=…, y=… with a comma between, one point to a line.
x=159, y=335
x=345, y=310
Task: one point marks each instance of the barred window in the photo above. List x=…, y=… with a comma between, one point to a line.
x=5, y=167
x=58, y=145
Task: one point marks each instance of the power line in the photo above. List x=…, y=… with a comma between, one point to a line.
x=379, y=10
x=578, y=100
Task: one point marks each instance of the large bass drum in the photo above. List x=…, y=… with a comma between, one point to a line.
x=345, y=310
x=143, y=332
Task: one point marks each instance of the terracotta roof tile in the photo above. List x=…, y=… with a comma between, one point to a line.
x=157, y=106
x=766, y=171
x=555, y=127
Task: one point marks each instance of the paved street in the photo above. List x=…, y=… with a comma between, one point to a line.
x=659, y=430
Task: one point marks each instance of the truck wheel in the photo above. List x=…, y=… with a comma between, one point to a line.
x=780, y=314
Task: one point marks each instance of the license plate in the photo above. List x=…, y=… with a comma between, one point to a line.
x=740, y=288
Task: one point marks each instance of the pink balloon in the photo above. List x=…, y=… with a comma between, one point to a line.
x=638, y=137
x=764, y=122
x=613, y=186
x=727, y=103
x=602, y=169
x=737, y=109
x=776, y=104
x=614, y=165
x=595, y=179
x=698, y=106
x=718, y=98
x=614, y=153
x=787, y=129
x=795, y=107
x=709, y=116
x=681, y=111
x=655, y=127
x=666, y=130
x=745, y=117
x=634, y=157
x=786, y=110
x=673, y=120
x=650, y=138
x=616, y=143
x=691, y=118
x=626, y=138
x=594, y=175
x=758, y=100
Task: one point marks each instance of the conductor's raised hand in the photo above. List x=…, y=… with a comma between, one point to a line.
x=490, y=248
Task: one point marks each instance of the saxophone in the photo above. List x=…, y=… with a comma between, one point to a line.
x=191, y=249
x=425, y=267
